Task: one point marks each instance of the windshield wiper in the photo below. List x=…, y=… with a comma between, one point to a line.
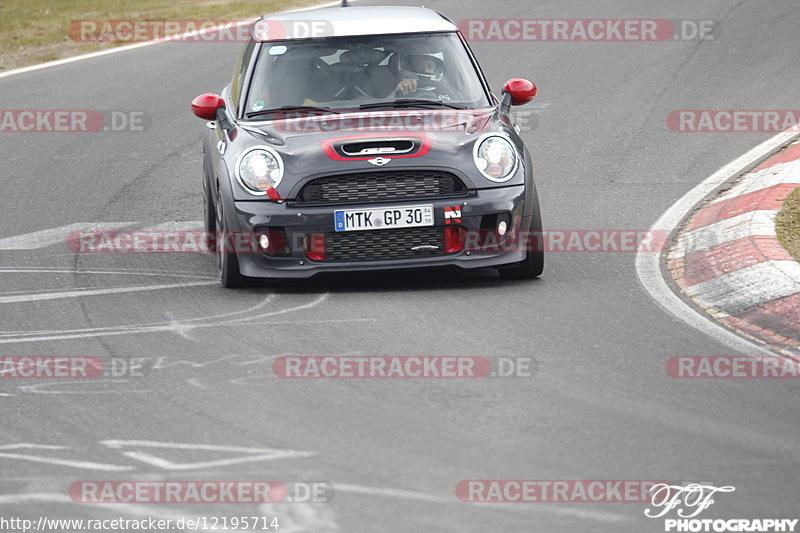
x=288, y=108
x=410, y=102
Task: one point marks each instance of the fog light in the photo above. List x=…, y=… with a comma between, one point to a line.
x=272, y=241
x=502, y=228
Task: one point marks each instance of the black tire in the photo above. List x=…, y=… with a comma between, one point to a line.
x=531, y=267
x=227, y=262
x=533, y=264
x=209, y=221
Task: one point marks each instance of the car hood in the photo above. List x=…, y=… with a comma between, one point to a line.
x=304, y=127
x=308, y=144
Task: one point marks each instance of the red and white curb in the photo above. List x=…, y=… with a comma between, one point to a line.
x=728, y=260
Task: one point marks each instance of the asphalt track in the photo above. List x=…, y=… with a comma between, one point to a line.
x=600, y=407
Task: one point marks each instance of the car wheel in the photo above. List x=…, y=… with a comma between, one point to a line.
x=209, y=221
x=227, y=262
x=533, y=264
x=531, y=267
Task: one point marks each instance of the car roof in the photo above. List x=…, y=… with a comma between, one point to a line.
x=349, y=21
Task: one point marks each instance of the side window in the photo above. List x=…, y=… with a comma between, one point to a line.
x=240, y=72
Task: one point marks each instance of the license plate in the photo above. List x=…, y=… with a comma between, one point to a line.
x=383, y=218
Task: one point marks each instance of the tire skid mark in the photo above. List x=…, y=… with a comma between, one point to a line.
x=10, y=337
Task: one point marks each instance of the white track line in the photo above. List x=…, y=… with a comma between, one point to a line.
x=175, y=225
x=59, y=235
x=26, y=446
x=648, y=266
x=118, y=444
x=82, y=293
x=14, y=337
x=115, y=272
x=84, y=465
x=34, y=497
x=52, y=236
x=134, y=46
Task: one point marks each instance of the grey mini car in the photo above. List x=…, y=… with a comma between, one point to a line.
x=365, y=138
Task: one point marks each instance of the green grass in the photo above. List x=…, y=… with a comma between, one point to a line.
x=787, y=224
x=33, y=31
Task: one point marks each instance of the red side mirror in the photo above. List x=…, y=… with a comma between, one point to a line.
x=205, y=106
x=521, y=90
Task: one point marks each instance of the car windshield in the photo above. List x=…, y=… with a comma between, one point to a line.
x=350, y=72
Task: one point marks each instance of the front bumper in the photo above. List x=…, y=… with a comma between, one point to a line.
x=299, y=222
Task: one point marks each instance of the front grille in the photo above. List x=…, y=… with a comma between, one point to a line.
x=384, y=244
x=373, y=187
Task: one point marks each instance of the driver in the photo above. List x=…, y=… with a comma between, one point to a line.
x=422, y=75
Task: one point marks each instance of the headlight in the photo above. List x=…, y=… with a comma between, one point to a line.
x=259, y=169
x=495, y=158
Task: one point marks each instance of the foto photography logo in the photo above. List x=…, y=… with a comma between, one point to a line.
x=681, y=507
